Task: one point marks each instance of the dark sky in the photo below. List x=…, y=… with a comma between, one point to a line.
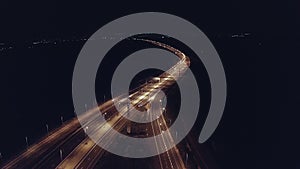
x=32, y=19
x=253, y=128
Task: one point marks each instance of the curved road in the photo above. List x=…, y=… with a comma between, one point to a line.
x=79, y=151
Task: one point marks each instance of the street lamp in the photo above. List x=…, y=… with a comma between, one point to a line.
x=62, y=120
x=186, y=158
x=85, y=130
x=47, y=128
x=1, y=157
x=26, y=140
x=61, y=154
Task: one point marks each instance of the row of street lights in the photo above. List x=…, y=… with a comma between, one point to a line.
x=47, y=129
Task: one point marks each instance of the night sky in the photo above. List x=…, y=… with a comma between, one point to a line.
x=256, y=131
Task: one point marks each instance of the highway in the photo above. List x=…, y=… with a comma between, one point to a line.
x=68, y=147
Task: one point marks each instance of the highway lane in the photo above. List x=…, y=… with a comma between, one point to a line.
x=171, y=159
x=52, y=159
x=91, y=157
x=86, y=146
x=85, y=155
